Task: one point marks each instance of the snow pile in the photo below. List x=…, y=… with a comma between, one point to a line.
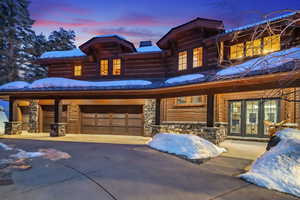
x=14, y=85
x=25, y=154
x=53, y=154
x=190, y=146
x=184, y=78
x=64, y=82
x=270, y=61
x=5, y=147
x=148, y=49
x=62, y=54
x=279, y=168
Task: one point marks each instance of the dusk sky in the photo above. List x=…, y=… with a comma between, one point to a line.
x=144, y=19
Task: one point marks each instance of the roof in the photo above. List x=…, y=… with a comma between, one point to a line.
x=63, y=54
x=148, y=49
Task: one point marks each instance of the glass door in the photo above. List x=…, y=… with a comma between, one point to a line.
x=252, y=118
x=235, y=121
x=271, y=113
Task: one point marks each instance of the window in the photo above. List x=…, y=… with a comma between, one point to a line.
x=189, y=101
x=221, y=53
x=271, y=43
x=103, y=67
x=253, y=48
x=197, y=57
x=77, y=70
x=182, y=60
x=116, y=66
x=237, y=51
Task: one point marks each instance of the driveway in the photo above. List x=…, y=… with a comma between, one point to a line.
x=128, y=172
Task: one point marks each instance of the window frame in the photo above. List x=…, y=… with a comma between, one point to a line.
x=242, y=51
x=182, y=65
x=189, y=102
x=107, y=67
x=199, y=57
x=273, y=38
x=76, y=70
x=255, y=50
x=119, y=66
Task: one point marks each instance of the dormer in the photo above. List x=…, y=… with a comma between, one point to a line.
x=195, y=30
x=107, y=46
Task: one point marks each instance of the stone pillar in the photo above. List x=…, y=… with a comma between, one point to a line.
x=33, y=117
x=58, y=129
x=13, y=128
x=149, y=117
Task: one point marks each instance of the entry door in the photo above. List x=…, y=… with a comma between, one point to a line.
x=246, y=116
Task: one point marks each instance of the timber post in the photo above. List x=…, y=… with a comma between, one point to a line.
x=12, y=127
x=57, y=128
x=157, y=111
x=210, y=110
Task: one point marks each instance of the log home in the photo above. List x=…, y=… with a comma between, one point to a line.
x=199, y=78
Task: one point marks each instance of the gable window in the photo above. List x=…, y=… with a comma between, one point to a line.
x=182, y=60
x=237, y=51
x=116, y=66
x=197, y=57
x=77, y=70
x=271, y=43
x=253, y=48
x=189, y=101
x=103, y=67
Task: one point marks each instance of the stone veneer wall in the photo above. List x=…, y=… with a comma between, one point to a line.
x=149, y=117
x=215, y=134
x=33, y=117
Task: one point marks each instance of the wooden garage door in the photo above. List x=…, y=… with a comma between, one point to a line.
x=48, y=116
x=116, y=120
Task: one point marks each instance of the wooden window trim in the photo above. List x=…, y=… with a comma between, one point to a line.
x=200, y=57
x=180, y=61
x=231, y=52
x=107, y=66
x=119, y=65
x=189, y=104
x=272, y=37
x=77, y=68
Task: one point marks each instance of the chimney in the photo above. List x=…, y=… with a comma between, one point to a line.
x=145, y=43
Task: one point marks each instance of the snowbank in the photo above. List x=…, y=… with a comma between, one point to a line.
x=190, y=146
x=25, y=154
x=270, y=61
x=14, y=85
x=279, y=168
x=5, y=147
x=63, y=54
x=184, y=78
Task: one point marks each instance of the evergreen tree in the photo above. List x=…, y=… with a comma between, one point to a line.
x=61, y=40
x=15, y=39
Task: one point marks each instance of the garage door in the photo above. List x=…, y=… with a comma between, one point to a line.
x=116, y=120
x=48, y=117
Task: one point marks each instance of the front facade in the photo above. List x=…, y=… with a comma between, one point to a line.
x=200, y=48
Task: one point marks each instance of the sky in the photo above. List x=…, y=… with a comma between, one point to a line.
x=138, y=20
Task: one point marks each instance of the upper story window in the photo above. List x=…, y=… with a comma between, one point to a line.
x=271, y=43
x=103, y=67
x=77, y=70
x=237, y=51
x=182, y=60
x=253, y=48
x=197, y=57
x=189, y=101
x=116, y=66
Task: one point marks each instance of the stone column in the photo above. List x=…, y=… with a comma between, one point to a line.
x=149, y=117
x=33, y=116
x=58, y=128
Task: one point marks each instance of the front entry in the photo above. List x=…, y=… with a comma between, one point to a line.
x=246, y=116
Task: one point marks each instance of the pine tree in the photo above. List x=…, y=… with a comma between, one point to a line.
x=15, y=39
x=61, y=40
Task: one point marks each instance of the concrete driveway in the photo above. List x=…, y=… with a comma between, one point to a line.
x=105, y=171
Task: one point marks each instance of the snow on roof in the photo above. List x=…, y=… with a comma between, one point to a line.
x=191, y=146
x=278, y=168
x=14, y=85
x=148, y=49
x=111, y=35
x=63, y=54
x=184, y=78
x=267, y=62
x=259, y=23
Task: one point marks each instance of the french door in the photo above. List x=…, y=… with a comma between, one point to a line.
x=246, y=116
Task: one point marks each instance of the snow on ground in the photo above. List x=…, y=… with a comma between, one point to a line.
x=66, y=53
x=263, y=63
x=53, y=154
x=190, y=146
x=5, y=147
x=183, y=78
x=279, y=168
x=24, y=154
x=148, y=49
x=14, y=85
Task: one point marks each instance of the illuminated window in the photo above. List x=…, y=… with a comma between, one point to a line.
x=182, y=60
x=253, y=48
x=116, y=66
x=103, y=67
x=221, y=53
x=271, y=43
x=237, y=51
x=197, y=57
x=77, y=70
x=189, y=100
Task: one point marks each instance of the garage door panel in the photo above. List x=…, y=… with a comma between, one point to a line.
x=102, y=122
x=135, y=131
x=135, y=122
x=118, y=122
